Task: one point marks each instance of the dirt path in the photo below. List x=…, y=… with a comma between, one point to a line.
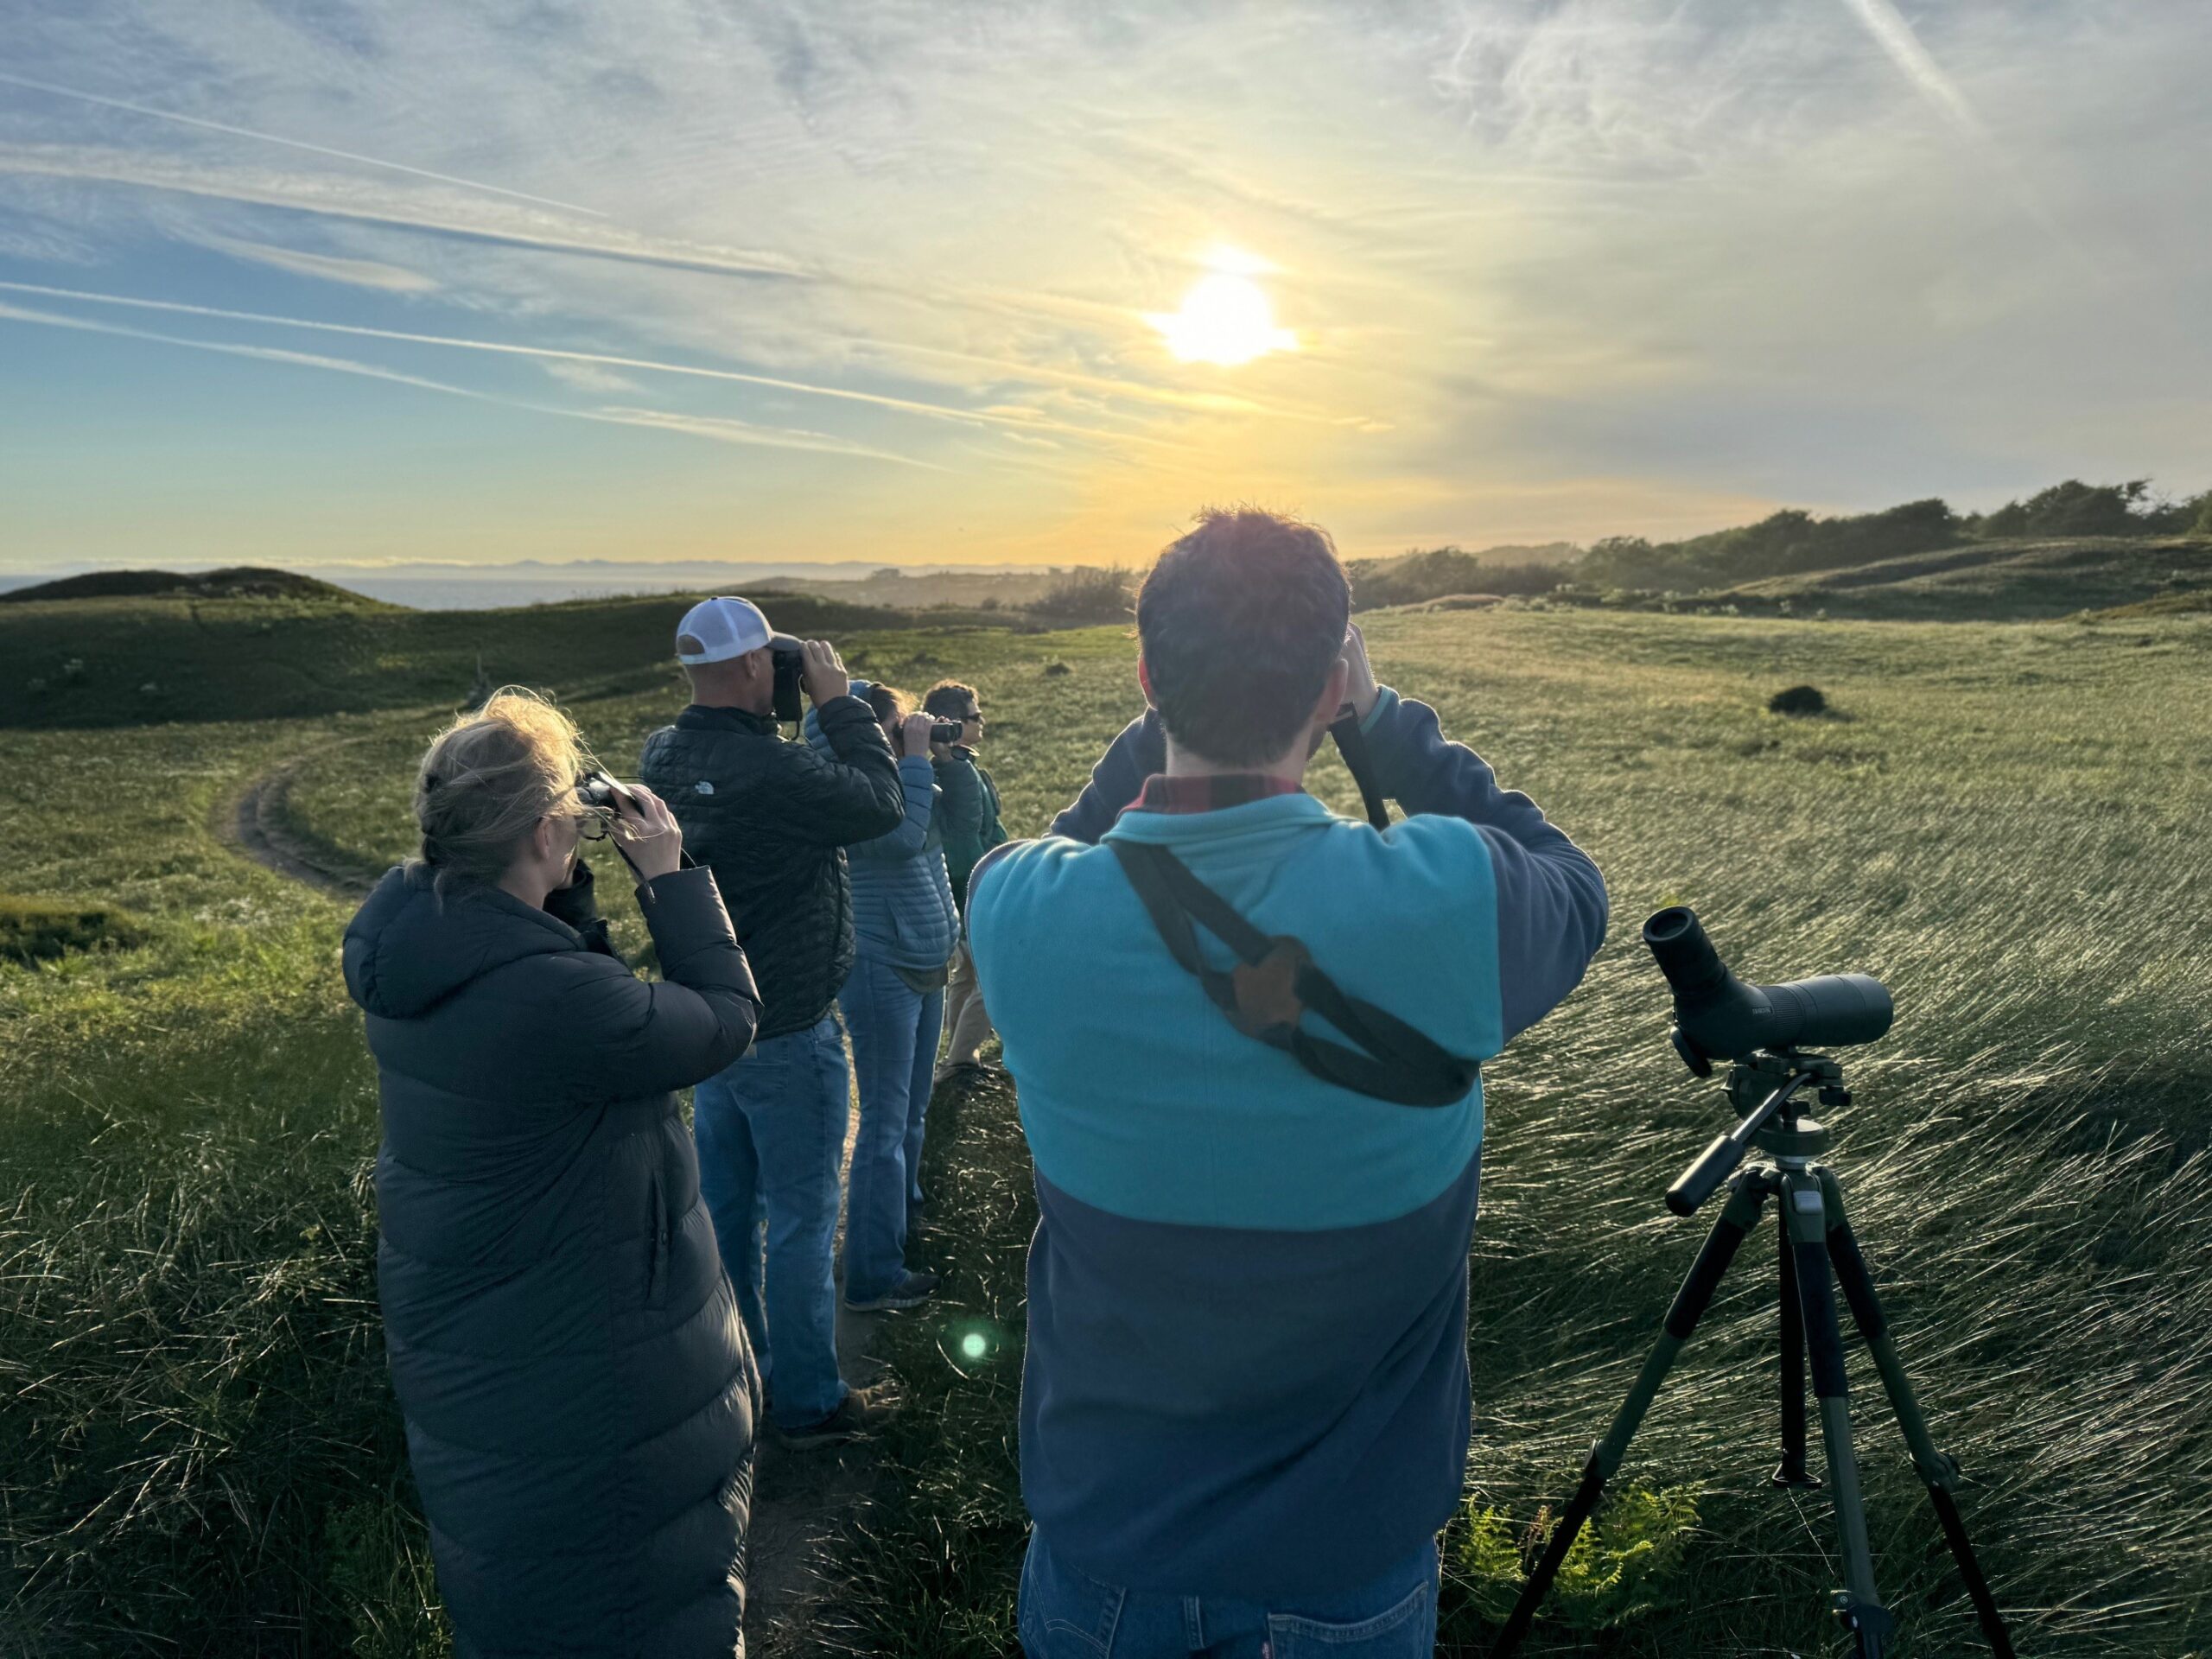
x=800, y=1498
x=258, y=827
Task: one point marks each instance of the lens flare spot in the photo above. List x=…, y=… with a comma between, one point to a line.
x=972, y=1346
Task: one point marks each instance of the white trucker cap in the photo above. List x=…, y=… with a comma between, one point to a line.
x=724, y=628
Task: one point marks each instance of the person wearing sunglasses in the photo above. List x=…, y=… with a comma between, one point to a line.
x=579, y=1394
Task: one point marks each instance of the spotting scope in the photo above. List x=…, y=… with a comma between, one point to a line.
x=1719, y=1017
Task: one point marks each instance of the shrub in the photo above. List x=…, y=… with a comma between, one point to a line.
x=1782, y=544
x=1798, y=700
x=39, y=929
x=1441, y=572
x=2073, y=508
x=1623, y=1565
x=1088, y=594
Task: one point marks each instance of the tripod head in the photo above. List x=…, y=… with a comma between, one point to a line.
x=1765, y=1087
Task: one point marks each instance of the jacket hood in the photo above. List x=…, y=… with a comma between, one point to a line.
x=407, y=950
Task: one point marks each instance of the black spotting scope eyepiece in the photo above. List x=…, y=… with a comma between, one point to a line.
x=1718, y=1016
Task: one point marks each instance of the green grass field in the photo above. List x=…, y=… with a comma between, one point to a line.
x=2006, y=822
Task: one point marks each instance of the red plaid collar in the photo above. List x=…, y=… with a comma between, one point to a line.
x=1209, y=793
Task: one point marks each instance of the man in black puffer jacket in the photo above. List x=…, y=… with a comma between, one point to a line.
x=771, y=819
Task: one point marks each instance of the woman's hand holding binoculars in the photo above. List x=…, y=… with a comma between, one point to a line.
x=651, y=839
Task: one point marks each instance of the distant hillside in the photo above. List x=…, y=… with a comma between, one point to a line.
x=1412, y=578
x=119, y=662
x=899, y=590
x=238, y=581
x=2015, y=580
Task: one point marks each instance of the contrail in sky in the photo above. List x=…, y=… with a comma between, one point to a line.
x=904, y=405
x=1895, y=36
x=719, y=429
x=289, y=144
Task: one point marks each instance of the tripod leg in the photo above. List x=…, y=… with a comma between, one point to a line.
x=1939, y=1472
x=1746, y=1195
x=1859, y=1604
x=1792, y=1471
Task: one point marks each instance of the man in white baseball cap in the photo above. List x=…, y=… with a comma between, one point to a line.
x=771, y=819
x=719, y=630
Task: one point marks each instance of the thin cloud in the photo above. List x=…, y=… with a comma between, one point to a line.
x=723, y=431
x=904, y=405
x=1896, y=38
x=589, y=377
x=345, y=198
x=337, y=198
x=358, y=273
x=726, y=431
x=51, y=90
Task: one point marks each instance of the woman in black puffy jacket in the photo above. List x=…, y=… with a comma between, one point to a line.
x=579, y=1395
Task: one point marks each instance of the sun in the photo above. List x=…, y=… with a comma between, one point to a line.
x=1225, y=318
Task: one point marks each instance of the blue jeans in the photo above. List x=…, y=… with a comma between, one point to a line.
x=770, y=1129
x=894, y=1031
x=1067, y=1614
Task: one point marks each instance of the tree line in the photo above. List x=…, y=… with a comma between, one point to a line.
x=1782, y=544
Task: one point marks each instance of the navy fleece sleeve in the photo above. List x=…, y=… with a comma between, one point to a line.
x=1139, y=752
x=1551, y=900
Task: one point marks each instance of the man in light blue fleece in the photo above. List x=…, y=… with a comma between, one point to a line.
x=1245, y=1409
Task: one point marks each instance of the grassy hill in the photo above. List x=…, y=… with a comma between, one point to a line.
x=2017, y=581
x=237, y=581
x=135, y=660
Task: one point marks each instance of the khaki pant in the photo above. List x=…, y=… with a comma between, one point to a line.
x=966, y=1022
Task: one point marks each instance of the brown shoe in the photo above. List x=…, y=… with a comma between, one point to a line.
x=861, y=1411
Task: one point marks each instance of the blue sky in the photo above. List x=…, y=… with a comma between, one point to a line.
x=433, y=280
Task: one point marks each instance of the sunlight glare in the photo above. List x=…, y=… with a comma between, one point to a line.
x=1225, y=318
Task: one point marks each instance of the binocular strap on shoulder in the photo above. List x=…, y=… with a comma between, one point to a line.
x=1267, y=994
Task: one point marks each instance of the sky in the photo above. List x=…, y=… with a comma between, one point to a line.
x=908, y=281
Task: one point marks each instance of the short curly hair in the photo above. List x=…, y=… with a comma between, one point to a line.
x=1240, y=623
x=948, y=699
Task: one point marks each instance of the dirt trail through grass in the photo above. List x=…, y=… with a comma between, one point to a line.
x=799, y=1498
x=255, y=825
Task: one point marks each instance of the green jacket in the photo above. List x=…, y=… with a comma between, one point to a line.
x=968, y=817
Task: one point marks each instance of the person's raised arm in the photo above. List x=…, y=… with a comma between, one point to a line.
x=621, y=1035
x=1552, y=906
x=918, y=777
x=847, y=788
x=1139, y=752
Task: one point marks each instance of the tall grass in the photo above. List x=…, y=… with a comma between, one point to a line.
x=197, y=1450
x=2026, y=1159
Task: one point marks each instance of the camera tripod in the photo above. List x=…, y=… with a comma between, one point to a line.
x=1815, y=1235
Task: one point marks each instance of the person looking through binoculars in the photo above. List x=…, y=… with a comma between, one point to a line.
x=1246, y=1034
x=903, y=925
x=579, y=1392
x=771, y=819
